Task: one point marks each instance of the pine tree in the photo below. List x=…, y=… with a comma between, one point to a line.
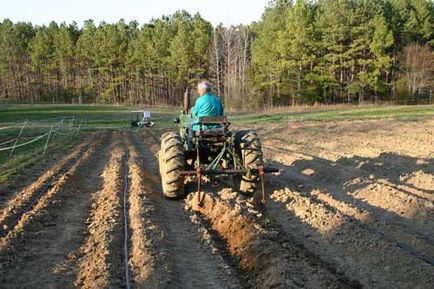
x=15, y=78
x=43, y=64
x=266, y=66
x=85, y=55
x=298, y=52
x=333, y=26
x=297, y=47
x=64, y=53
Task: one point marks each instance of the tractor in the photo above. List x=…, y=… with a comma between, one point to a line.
x=213, y=149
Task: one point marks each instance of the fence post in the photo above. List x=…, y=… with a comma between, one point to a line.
x=48, y=139
x=71, y=123
x=78, y=128
x=59, y=127
x=18, y=138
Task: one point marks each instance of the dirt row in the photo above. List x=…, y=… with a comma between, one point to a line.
x=263, y=251
x=100, y=255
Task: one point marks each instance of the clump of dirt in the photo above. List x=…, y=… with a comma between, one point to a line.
x=421, y=180
x=383, y=194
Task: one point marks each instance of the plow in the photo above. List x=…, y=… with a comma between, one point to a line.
x=212, y=149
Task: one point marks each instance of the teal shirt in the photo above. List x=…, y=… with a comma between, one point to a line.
x=206, y=105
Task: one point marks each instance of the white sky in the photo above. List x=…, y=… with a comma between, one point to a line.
x=228, y=12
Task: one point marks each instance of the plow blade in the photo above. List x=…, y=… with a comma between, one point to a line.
x=228, y=172
x=199, y=172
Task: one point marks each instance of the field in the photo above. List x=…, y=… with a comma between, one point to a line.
x=352, y=206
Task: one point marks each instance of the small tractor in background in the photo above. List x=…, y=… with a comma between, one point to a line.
x=140, y=119
x=210, y=151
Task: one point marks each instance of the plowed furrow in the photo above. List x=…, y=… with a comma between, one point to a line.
x=358, y=174
x=145, y=233
x=40, y=251
x=100, y=258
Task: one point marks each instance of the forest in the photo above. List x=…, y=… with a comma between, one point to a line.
x=299, y=52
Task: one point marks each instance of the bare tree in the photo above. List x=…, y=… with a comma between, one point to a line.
x=418, y=68
x=229, y=63
x=216, y=59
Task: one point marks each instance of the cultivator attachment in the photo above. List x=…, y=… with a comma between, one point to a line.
x=261, y=171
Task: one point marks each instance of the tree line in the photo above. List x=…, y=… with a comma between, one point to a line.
x=325, y=51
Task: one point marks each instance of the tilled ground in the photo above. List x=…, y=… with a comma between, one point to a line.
x=353, y=207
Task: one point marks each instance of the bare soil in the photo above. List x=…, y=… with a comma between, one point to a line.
x=353, y=207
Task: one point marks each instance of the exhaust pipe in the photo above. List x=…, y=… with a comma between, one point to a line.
x=186, y=101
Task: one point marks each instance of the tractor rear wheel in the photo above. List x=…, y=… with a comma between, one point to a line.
x=172, y=161
x=250, y=151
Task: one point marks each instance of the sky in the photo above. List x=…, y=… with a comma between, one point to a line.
x=228, y=12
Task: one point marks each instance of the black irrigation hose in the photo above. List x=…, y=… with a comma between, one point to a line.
x=125, y=211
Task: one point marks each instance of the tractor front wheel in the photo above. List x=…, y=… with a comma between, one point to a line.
x=172, y=161
x=250, y=151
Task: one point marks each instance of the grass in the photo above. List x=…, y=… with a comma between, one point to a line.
x=407, y=113
x=118, y=117
x=97, y=116
x=27, y=156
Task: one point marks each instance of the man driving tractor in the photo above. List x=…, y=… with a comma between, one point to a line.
x=207, y=104
x=205, y=145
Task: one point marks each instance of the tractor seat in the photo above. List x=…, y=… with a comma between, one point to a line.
x=211, y=132
x=212, y=126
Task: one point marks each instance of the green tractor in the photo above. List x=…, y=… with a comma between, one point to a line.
x=212, y=150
